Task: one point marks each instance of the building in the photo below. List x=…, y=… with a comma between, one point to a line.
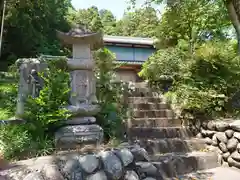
x=132, y=51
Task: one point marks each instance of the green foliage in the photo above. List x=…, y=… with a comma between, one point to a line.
x=42, y=114
x=109, y=94
x=203, y=82
x=14, y=140
x=47, y=110
x=8, y=96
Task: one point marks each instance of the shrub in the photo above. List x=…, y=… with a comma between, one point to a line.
x=46, y=111
x=203, y=82
x=110, y=94
x=42, y=114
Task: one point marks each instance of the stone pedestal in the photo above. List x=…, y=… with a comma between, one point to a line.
x=81, y=128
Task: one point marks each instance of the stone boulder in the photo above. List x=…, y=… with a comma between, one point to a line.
x=226, y=155
x=237, y=135
x=208, y=141
x=229, y=133
x=223, y=147
x=221, y=136
x=97, y=176
x=232, y=162
x=232, y=144
x=222, y=126
x=211, y=125
x=236, y=156
x=125, y=155
x=235, y=125
x=131, y=175
x=34, y=176
x=214, y=140
x=112, y=165
x=140, y=154
x=89, y=163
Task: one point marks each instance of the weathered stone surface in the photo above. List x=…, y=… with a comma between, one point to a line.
x=126, y=156
x=226, y=155
x=97, y=176
x=112, y=165
x=232, y=162
x=222, y=126
x=84, y=109
x=70, y=166
x=237, y=135
x=232, y=144
x=147, y=168
x=221, y=136
x=238, y=147
x=236, y=156
x=208, y=141
x=229, y=133
x=204, y=124
x=131, y=175
x=52, y=173
x=211, y=125
x=149, y=178
x=199, y=135
x=89, y=163
x=80, y=120
x=34, y=176
x=72, y=135
x=140, y=154
x=223, y=147
x=214, y=140
x=208, y=133
x=235, y=125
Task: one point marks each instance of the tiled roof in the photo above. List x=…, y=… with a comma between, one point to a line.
x=128, y=40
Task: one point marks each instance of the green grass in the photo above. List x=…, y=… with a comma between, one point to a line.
x=8, y=95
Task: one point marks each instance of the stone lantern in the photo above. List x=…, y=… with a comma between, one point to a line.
x=81, y=128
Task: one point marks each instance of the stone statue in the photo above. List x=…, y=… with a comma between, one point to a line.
x=34, y=81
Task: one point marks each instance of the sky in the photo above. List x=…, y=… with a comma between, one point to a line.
x=116, y=6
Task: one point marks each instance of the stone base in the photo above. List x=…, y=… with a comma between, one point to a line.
x=84, y=109
x=69, y=137
x=80, y=120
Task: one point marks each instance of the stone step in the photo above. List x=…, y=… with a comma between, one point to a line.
x=153, y=113
x=138, y=100
x=149, y=106
x=173, y=164
x=144, y=92
x=168, y=145
x=155, y=122
x=160, y=132
x=219, y=173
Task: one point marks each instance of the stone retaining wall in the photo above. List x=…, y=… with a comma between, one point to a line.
x=125, y=163
x=225, y=137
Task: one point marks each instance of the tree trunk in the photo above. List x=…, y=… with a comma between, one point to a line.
x=233, y=7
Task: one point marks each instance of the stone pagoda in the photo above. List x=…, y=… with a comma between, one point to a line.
x=81, y=127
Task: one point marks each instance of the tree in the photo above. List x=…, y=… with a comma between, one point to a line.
x=109, y=22
x=141, y=22
x=30, y=27
x=232, y=7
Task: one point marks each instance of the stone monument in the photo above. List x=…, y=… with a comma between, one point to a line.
x=81, y=128
x=29, y=82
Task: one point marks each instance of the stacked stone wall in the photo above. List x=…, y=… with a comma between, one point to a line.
x=223, y=136
x=125, y=163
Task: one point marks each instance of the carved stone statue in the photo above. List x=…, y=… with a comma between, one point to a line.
x=34, y=82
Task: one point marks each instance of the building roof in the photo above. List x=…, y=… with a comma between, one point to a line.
x=128, y=40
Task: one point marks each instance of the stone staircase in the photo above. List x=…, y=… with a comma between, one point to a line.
x=172, y=147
